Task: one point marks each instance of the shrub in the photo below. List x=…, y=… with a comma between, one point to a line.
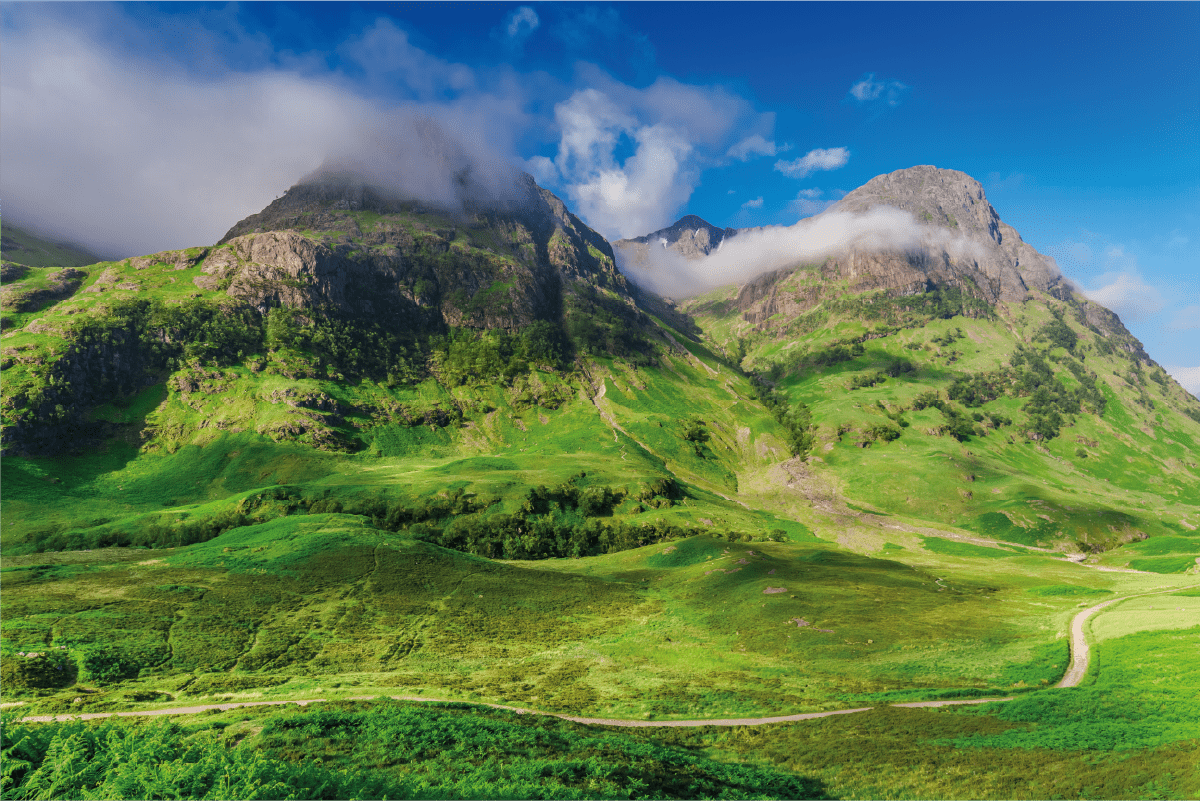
x=52, y=668
x=108, y=665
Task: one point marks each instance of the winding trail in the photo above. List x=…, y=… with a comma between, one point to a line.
x=1073, y=677
x=1079, y=666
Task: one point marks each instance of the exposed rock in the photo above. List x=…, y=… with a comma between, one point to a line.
x=12, y=272
x=954, y=200
x=175, y=259
x=62, y=284
x=405, y=274
x=969, y=247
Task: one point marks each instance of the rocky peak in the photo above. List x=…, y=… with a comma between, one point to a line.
x=947, y=198
x=954, y=201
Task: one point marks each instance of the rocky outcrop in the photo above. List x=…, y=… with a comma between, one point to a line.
x=61, y=284
x=12, y=272
x=500, y=267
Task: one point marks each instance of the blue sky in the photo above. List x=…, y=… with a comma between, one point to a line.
x=134, y=128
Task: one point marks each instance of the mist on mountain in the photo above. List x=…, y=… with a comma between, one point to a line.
x=754, y=251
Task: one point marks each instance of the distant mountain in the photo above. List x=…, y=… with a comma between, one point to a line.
x=19, y=246
x=690, y=236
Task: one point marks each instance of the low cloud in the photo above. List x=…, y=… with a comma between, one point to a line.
x=1188, y=377
x=814, y=161
x=756, y=203
x=1127, y=295
x=129, y=155
x=868, y=90
x=759, y=250
x=129, y=144
x=674, y=130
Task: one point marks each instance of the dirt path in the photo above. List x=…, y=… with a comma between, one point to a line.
x=1073, y=677
x=1079, y=667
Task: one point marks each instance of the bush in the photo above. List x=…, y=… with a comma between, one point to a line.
x=48, y=669
x=108, y=665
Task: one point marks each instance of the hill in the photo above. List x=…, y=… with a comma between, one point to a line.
x=364, y=446
x=955, y=376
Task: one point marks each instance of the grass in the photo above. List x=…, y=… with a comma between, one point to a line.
x=1130, y=733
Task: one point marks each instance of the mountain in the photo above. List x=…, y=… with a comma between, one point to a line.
x=364, y=446
x=361, y=252
x=690, y=236
x=348, y=264
x=970, y=350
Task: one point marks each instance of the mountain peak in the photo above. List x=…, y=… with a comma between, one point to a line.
x=948, y=198
x=690, y=236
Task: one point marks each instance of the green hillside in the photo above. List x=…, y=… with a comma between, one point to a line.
x=1014, y=422
x=383, y=451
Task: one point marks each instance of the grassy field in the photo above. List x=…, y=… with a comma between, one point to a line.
x=1131, y=732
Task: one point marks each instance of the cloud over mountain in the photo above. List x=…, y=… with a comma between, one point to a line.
x=758, y=250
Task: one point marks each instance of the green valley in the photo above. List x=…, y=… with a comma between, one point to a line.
x=361, y=450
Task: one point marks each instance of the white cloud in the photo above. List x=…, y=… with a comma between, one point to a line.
x=805, y=207
x=129, y=142
x=808, y=202
x=1186, y=319
x=868, y=89
x=385, y=53
x=522, y=23
x=756, y=203
x=820, y=159
x=543, y=169
x=173, y=157
x=755, y=145
x=675, y=129
x=1126, y=294
x=1178, y=239
x=1188, y=377
x=758, y=250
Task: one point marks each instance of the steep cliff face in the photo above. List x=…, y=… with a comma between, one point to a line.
x=337, y=243
x=1000, y=263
